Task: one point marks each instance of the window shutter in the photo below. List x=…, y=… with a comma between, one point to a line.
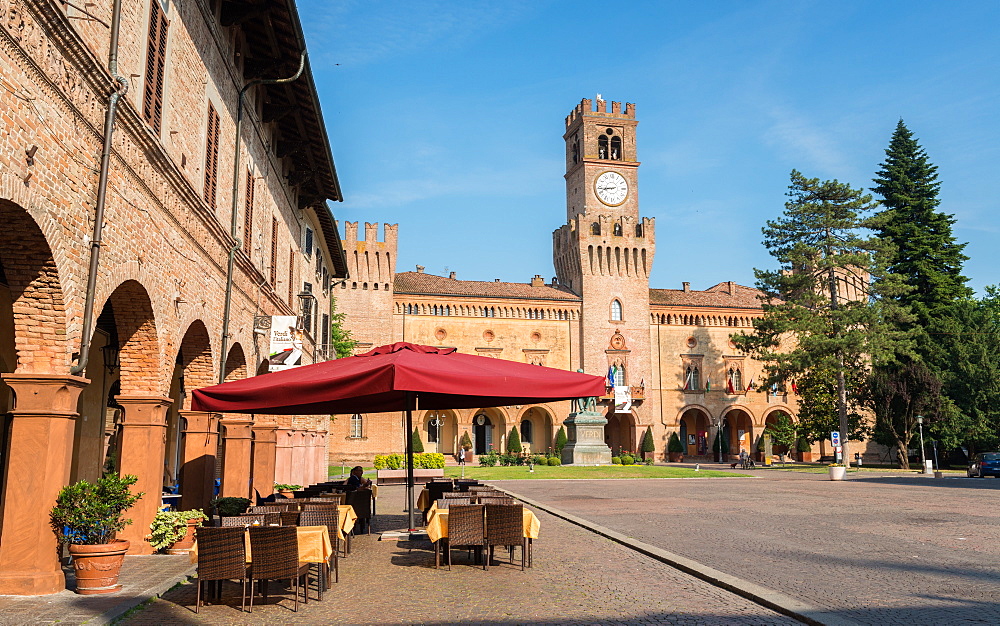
x=248, y=215
x=156, y=53
x=291, y=277
x=309, y=242
x=274, y=251
x=211, y=156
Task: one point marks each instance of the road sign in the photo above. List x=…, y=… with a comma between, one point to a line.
x=835, y=439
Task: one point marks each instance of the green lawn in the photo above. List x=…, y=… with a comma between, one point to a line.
x=571, y=471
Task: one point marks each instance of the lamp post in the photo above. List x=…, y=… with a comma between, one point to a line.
x=718, y=437
x=923, y=459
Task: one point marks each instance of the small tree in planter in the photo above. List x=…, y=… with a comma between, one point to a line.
x=87, y=516
x=513, y=441
x=648, y=446
x=174, y=530
x=804, y=448
x=466, y=441
x=286, y=490
x=229, y=506
x=561, y=441
x=675, y=449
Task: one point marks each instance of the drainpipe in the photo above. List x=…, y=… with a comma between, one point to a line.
x=102, y=189
x=234, y=222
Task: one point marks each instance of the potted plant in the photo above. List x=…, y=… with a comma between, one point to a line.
x=87, y=516
x=837, y=471
x=648, y=446
x=287, y=490
x=675, y=449
x=174, y=530
x=804, y=448
x=229, y=506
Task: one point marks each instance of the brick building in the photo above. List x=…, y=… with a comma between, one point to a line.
x=670, y=347
x=202, y=239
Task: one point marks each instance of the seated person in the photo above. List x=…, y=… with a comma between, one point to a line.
x=357, y=481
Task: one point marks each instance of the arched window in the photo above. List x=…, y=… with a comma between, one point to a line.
x=576, y=151
x=602, y=147
x=525, y=431
x=736, y=376
x=595, y=228
x=617, y=229
x=692, y=378
x=638, y=230
x=357, y=426
x=616, y=311
x=616, y=148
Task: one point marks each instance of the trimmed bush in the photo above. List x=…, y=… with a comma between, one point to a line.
x=539, y=459
x=648, y=445
x=616, y=460
x=561, y=440
x=627, y=459
x=674, y=444
x=489, y=459
x=423, y=460
x=418, y=444
x=802, y=445
x=514, y=442
x=466, y=441
x=553, y=462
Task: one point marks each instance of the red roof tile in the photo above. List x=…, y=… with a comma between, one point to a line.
x=429, y=284
x=725, y=295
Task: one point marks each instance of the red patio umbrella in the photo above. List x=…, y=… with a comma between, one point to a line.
x=397, y=377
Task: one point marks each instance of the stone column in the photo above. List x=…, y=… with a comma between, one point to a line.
x=298, y=457
x=201, y=448
x=324, y=457
x=314, y=473
x=264, y=449
x=284, y=440
x=144, y=438
x=238, y=432
x=40, y=452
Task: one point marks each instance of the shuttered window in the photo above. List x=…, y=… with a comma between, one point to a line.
x=156, y=54
x=248, y=215
x=274, y=251
x=291, y=277
x=211, y=156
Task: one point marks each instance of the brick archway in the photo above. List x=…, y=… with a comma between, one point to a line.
x=139, y=352
x=620, y=432
x=236, y=363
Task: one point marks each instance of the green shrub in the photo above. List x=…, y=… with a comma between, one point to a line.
x=616, y=460
x=674, y=444
x=423, y=460
x=514, y=441
x=170, y=526
x=627, y=459
x=284, y=487
x=539, y=459
x=91, y=513
x=561, y=440
x=466, y=441
x=554, y=462
x=648, y=461
x=489, y=459
x=418, y=445
x=803, y=445
x=230, y=506
x=648, y=445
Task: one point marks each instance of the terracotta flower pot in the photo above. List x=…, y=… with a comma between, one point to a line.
x=97, y=566
x=675, y=457
x=185, y=543
x=288, y=493
x=806, y=457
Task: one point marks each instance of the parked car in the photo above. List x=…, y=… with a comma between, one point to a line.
x=985, y=464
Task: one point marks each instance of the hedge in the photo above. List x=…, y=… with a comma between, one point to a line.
x=424, y=460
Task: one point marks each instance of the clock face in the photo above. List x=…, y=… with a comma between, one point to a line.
x=611, y=188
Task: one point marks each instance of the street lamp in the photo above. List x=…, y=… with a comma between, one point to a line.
x=923, y=459
x=718, y=437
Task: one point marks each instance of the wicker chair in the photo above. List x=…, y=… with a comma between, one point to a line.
x=276, y=557
x=319, y=506
x=249, y=519
x=221, y=556
x=455, y=494
x=496, y=500
x=289, y=518
x=443, y=503
x=268, y=508
x=464, y=485
x=505, y=527
x=361, y=502
x=465, y=527
x=331, y=519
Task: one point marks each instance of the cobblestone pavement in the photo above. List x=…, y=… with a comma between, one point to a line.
x=893, y=549
x=578, y=578
x=141, y=576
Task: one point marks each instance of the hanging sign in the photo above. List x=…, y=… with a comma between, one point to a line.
x=286, y=343
x=623, y=399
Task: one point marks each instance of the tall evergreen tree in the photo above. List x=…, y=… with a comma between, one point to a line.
x=925, y=252
x=340, y=338
x=822, y=310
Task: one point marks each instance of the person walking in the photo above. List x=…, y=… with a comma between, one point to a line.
x=461, y=456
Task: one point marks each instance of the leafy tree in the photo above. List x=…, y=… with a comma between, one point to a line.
x=418, y=445
x=561, y=440
x=513, y=441
x=897, y=395
x=823, y=307
x=818, y=417
x=782, y=431
x=340, y=337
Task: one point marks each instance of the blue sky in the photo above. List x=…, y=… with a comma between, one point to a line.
x=447, y=118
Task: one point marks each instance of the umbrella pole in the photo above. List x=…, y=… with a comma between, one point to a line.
x=409, y=462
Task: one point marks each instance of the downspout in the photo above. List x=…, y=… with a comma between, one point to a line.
x=102, y=190
x=234, y=222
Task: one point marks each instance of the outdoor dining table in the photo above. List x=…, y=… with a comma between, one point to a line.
x=437, y=528
x=313, y=541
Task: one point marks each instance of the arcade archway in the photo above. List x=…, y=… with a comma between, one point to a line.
x=694, y=431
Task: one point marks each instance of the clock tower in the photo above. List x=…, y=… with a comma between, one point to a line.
x=604, y=253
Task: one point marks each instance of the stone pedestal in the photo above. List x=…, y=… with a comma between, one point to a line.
x=264, y=446
x=201, y=447
x=585, y=440
x=38, y=466
x=238, y=432
x=283, y=446
x=144, y=439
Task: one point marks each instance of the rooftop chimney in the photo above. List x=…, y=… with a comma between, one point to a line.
x=420, y=269
x=731, y=288
x=451, y=275
x=687, y=286
x=537, y=280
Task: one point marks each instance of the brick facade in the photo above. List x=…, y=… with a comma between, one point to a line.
x=161, y=281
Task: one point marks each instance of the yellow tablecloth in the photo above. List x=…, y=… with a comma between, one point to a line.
x=437, y=525
x=314, y=545
x=424, y=500
x=347, y=519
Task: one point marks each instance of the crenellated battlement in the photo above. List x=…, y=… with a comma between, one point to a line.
x=390, y=232
x=587, y=107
